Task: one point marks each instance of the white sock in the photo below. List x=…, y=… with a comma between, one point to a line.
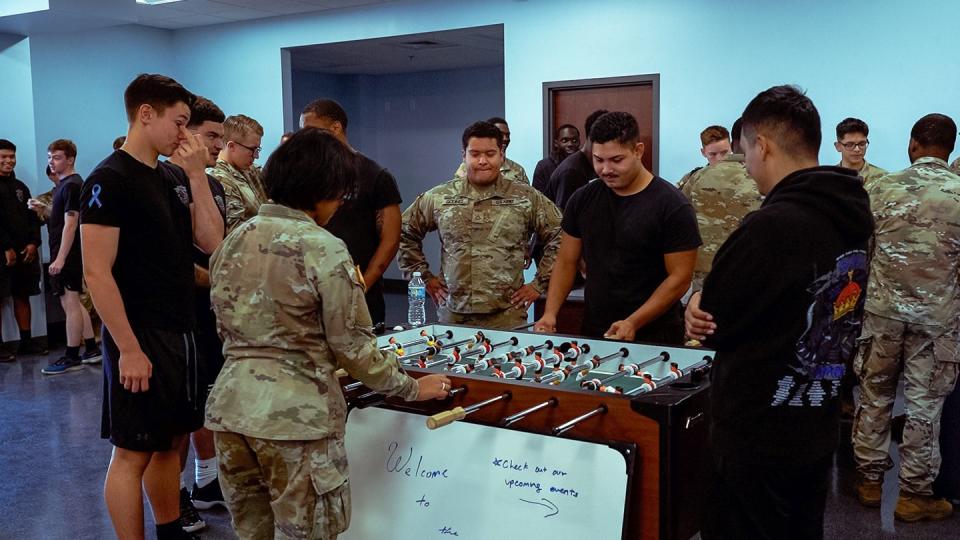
x=206, y=471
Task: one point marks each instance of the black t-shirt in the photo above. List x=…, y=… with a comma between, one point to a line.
x=200, y=258
x=19, y=225
x=624, y=241
x=572, y=174
x=356, y=221
x=544, y=170
x=66, y=198
x=154, y=262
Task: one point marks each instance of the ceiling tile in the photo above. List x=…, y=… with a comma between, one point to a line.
x=186, y=21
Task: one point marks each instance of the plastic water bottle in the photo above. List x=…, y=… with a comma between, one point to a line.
x=416, y=297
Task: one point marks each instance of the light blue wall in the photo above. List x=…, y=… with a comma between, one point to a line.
x=78, y=83
x=885, y=61
x=18, y=126
x=409, y=123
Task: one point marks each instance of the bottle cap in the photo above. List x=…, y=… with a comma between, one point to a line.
x=416, y=274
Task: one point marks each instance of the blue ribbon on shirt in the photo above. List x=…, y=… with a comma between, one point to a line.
x=95, y=198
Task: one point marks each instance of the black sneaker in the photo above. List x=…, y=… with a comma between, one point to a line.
x=190, y=520
x=63, y=365
x=32, y=347
x=6, y=356
x=92, y=357
x=208, y=496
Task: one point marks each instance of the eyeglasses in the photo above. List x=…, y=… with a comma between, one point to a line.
x=253, y=149
x=851, y=145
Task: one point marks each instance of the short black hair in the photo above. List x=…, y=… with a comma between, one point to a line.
x=118, y=142
x=588, y=123
x=788, y=116
x=563, y=127
x=482, y=130
x=852, y=125
x=7, y=145
x=312, y=166
x=49, y=171
x=204, y=110
x=736, y=128
x=615, y=126
x=735, y=136
x=327, y=108
x=158, y=91
x=497, y=120
x=935, y=131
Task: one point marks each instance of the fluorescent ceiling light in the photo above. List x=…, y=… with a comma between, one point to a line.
x=20, y=7
x=155, y=2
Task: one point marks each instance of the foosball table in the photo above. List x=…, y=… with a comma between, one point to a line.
x=647, y=401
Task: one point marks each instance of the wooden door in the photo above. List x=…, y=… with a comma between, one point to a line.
x=570, y=102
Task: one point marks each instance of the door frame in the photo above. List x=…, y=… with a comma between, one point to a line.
x=652, y=79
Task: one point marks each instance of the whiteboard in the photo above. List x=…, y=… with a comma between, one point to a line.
x=469, y=481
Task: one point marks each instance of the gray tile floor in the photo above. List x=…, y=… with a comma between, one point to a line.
x=52, y=464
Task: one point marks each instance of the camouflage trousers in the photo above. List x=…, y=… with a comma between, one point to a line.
x=927, y=357
x=507, y=319
x=284, y=489
x=696, y=284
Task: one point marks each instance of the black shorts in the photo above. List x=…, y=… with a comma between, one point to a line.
x=148, y=421
x=209, y=348
x=69, y=279
x=20, y=280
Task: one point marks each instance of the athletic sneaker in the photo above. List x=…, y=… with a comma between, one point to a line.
x=7, y=357
x=190, y=520
x=208, y=496
x=63, y=365
x=92, y=357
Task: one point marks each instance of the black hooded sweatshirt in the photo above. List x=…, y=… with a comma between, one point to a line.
x=19, y=225
x=787, y=291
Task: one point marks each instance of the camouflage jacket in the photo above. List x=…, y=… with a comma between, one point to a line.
x=483, y=240
x=244, y=190
x=686, y=178
x=721, y=194
x=869, y=172
x=511, y=170
x=916, y=256
x=290, y=310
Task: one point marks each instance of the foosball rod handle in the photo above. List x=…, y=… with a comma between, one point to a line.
x=563, y=428
x=446, y=418
x=459, y=413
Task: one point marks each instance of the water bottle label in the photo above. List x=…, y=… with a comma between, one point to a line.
x=418, y=293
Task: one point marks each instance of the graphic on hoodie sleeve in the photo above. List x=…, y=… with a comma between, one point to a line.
x=834, y=320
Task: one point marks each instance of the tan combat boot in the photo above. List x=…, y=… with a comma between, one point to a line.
x=869, y=492
x=912, y=507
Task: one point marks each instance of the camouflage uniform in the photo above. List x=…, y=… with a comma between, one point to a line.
x=45, y=202
x=511, y=170
x=869, y=172
x=277, y=404
x=913, y=301
x=721, y=194
x=244, y=190
x=681, y=185
x=483, y=242
x=955, y=166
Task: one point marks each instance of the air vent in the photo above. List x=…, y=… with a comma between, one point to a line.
x=420, y=44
